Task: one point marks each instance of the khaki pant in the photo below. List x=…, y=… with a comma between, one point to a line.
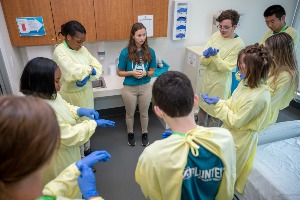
x=133, y=95
x=206, y=120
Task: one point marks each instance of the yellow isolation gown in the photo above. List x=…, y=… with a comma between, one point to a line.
x=218, y=76
x=75, y=66
x=290, y=30
x=62, y=187
x=73, y=134
x=282, y=93
x=247, y=112
x=159, y=171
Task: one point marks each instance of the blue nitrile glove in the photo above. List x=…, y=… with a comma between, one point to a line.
x=242, y=76
x=214, y=52
x=93, y=158
x=166, y=134
x=94, y=72
x=204, y=96
x=90, y=113
x=83, y=82
x=87, y=182
x=210, y=100
x=206, y=53
x=104, y=122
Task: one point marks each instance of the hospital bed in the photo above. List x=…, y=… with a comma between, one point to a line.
x=275, y=174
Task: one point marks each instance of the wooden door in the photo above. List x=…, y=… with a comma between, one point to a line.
x=22, y=8
x=159, y=10
x=113, y=19
x=79, y=10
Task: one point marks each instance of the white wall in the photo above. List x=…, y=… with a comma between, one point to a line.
x=11, y=55
x=251, y=30
x=296, y=25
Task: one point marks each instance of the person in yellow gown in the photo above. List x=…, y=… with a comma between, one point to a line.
x=219, y=59
x=78, y=68
x=194, y=162
x=41, y=77
x=30, y=136
x=284, y=76
x=275, y=20
x=248, y=110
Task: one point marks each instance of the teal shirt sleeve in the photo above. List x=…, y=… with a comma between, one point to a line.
x=123, y=59
x=152, y=64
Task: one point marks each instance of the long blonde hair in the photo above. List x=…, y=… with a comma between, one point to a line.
x=282, y=47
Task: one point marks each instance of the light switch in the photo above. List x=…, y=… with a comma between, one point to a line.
x=192, y=57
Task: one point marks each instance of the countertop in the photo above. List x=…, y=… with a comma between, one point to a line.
x=114, y=86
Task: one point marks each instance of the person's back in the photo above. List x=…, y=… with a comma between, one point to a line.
x=275, y=20
x=284, y=76
x=199, y=161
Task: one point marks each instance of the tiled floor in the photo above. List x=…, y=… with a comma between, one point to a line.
x=115, y=179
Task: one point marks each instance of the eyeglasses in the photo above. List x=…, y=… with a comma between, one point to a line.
x=224, y=27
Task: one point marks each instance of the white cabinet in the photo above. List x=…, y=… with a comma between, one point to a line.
x=192, y=67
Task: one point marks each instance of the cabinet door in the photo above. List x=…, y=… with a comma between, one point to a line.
x=79, y=10
x=13, y=9
x=159, y=10
x=113, y=19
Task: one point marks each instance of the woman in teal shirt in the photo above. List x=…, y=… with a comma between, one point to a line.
x=137, y=63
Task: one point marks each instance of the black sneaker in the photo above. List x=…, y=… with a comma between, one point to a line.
x=145, y=141
x=131, y=140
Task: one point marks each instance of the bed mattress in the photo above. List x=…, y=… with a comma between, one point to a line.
x=275, y=173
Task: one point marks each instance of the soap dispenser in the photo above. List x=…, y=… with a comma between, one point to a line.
x=112, y=68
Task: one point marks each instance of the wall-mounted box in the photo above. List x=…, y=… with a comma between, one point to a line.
x=181, y=10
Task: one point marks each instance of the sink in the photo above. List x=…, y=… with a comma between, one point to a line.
x=99, y=83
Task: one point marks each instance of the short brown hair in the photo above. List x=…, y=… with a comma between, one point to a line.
x=29, y=135
x=229, y=14
x=173, y=93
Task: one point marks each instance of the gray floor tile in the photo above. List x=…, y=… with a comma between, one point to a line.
x=115, y=179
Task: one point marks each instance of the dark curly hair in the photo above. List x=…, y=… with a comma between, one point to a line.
x=229, y=14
